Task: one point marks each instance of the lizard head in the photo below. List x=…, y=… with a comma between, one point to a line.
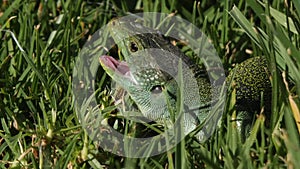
x=152, y=89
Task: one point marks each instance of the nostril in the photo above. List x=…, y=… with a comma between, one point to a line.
x=113, y=23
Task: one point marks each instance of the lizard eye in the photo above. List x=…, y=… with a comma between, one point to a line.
x=133, y=47
x=156, y=89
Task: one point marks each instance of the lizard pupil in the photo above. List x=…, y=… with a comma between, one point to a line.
x=133, y=47
x=156, y=89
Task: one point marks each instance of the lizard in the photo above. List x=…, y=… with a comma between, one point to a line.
x=154, y=90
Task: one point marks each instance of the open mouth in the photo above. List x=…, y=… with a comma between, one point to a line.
x=117, y=68
x=115, y=65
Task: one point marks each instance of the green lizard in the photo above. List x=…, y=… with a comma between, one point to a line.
x=154, y=90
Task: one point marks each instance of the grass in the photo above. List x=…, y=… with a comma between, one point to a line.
x=41, y=41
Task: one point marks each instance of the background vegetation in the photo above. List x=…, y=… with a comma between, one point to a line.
x=40, y=41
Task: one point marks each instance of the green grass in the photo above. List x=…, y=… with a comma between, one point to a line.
x=40, y=42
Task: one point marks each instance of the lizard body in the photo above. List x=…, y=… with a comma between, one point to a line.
x=154, y=90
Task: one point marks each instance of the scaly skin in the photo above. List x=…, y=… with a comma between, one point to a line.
x=252, y=84
x=154, y=90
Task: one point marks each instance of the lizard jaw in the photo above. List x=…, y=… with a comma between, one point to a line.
x=116, y=66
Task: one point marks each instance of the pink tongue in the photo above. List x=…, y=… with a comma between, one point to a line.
x=114, y=64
